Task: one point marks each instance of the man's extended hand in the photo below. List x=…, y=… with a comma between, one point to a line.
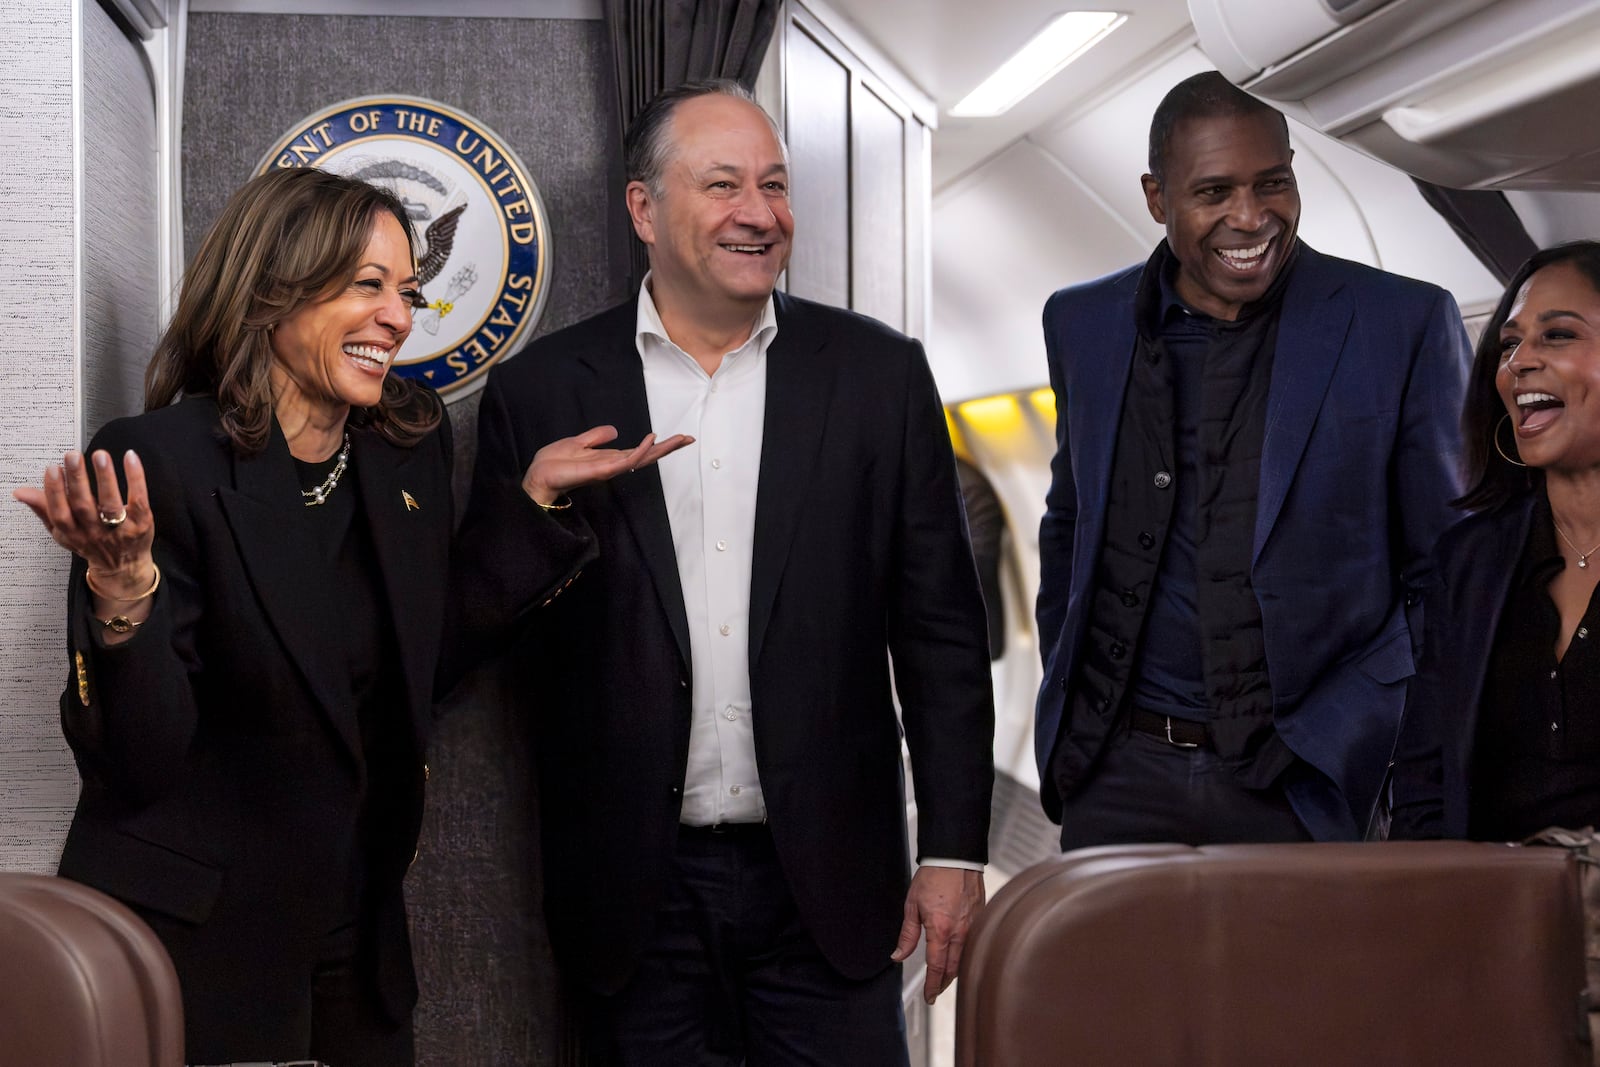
x=944, y=901
x=577, y=461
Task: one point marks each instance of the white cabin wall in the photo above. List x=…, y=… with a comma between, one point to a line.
x=1004, y=238
x=1553, y=217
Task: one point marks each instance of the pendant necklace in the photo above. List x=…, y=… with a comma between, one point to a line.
x=1583, y=557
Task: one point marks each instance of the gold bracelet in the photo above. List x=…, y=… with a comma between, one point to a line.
x=556, y=504
x=147, y=594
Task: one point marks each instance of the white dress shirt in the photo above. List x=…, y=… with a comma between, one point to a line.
x=710, y=491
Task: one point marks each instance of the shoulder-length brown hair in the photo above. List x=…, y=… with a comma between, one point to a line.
x=284, y=240
x=1494, y=479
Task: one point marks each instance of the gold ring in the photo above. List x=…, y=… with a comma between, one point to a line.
x=115, y=520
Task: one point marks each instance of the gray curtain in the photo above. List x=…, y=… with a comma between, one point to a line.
x=658, y=44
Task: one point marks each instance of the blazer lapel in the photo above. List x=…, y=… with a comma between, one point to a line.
x=403, y=539
x=616, y=395
x=1311, y=332
x=273, y=553
x=798, y=389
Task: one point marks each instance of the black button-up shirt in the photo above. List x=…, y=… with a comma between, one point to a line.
x=1536, y=756
x=1171, y=678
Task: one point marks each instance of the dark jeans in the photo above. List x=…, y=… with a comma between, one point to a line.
x=731, y=976
x=1144, y=790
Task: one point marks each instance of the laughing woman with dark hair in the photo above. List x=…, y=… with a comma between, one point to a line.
x=1502, y=727
x=257, y=606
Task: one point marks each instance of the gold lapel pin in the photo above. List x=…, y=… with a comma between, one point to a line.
x=411, y=501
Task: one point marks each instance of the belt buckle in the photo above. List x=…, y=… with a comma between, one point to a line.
x=1170, y=740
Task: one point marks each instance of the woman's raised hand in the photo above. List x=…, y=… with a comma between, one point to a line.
x=576, y=461
x=113, y=536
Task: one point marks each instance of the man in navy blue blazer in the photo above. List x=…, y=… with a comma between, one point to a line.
x=1255, y=442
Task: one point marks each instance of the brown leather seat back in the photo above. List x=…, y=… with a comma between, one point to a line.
x=1313, y=955
x=83, y=982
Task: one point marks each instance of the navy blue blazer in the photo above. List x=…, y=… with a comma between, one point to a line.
x=1474, y=565
x=1359, y=463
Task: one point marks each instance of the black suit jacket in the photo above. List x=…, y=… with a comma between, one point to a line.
x=1474, y=564
x=219, y=749
x=860, y=549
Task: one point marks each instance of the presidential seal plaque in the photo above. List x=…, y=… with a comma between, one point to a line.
x=484, y=255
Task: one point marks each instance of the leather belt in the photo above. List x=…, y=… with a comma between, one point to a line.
x=1179, y=733
x=723, y=829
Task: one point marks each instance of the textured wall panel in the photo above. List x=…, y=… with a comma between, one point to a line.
x=120, y=225
x=489, y=990
x=38, y=334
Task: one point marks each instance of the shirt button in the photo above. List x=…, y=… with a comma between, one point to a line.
x=722, y=546
x=1554, y=675
x=736, y=789
x=1162, y=479
x=1117, y=650
x=1130, y=599
x=716, y=464
x=730, y=715
x=1146, y=540
x=1583, y=631
x=1554, y=727
x=724, y=629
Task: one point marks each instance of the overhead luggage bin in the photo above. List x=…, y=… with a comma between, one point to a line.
x=1468, y=94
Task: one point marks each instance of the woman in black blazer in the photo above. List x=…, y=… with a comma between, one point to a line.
x=254, y=634
x=1501, y=736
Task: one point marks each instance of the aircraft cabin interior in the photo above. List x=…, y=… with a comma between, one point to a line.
x=1443, y=140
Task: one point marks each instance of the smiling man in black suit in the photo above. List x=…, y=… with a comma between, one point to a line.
x=721, y=785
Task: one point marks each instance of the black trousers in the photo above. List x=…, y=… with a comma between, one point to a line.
x=333, y=1014
x=732, y=977
x=1144, y=790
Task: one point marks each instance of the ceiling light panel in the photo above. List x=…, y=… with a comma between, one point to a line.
x=1064, y=39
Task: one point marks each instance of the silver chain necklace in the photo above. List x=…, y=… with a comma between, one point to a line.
x=1583, y=557
x=319, y=495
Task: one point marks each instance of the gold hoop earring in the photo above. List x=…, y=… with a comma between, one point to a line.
x=1495, y=437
